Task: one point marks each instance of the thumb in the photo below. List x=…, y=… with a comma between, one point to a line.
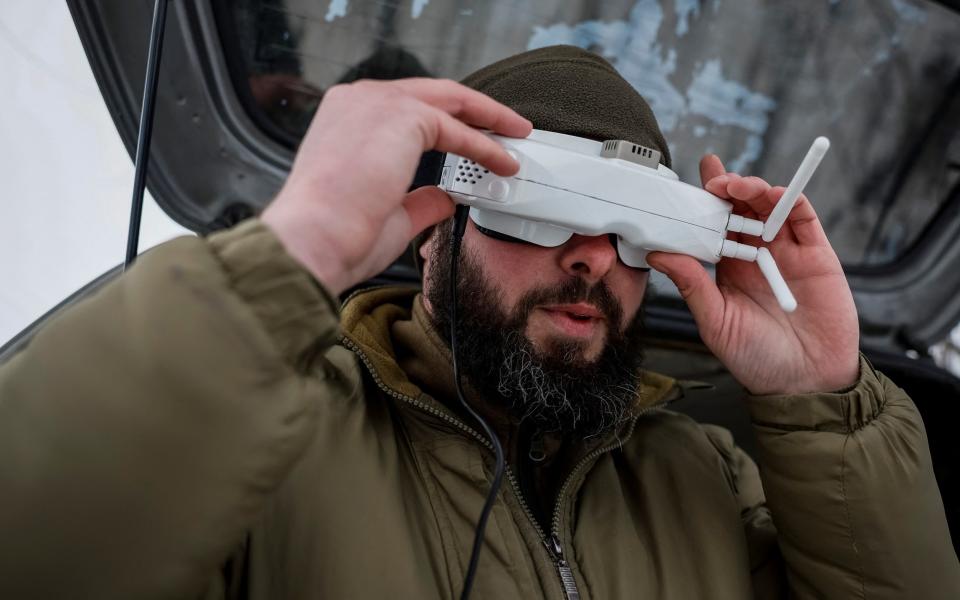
x=701, y=294
x=427, y=206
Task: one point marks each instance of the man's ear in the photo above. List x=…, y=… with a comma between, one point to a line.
x=424, y=252
x=426, y=246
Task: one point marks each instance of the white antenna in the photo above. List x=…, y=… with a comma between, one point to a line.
x=772, y=227
x=769, y=269
x=780, y=212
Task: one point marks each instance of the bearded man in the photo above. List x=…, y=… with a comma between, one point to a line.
x=209, y=426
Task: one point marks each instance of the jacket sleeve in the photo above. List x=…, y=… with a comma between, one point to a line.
x=850, y=485
x=766, y=565
x=142, y=429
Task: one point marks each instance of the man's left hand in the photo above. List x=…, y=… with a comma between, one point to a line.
x=769, y=351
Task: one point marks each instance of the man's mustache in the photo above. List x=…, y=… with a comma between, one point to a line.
x=573, y=291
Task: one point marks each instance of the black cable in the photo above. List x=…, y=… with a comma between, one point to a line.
x=459, y=226
x=146, y=129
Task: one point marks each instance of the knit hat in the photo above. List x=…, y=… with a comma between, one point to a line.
x=566, y=89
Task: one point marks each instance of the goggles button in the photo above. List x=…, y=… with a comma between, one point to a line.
x=498, y=189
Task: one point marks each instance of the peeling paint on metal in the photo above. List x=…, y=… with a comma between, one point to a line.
x=418, y=6
x=336, y=9
x=632, y=46
x=727, y=102
x=684, y=8
x=750, y=153
x=909, y=11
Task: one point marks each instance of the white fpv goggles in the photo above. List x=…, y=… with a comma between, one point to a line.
x=568, y=184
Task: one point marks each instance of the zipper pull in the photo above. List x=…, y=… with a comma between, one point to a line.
x=537, y=452
x=566, y=573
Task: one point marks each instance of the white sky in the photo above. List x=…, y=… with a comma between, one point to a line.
x=65, y=178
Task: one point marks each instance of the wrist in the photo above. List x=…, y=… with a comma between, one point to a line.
x=310, y=249
x=839, y=411
x=840, y=381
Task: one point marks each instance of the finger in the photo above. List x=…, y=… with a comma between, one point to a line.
x=743, y=209
x=701, y=294
x=710, y=168
x=447, y=134
x=718, y=186
x=802, y=221
x=467, y=105
x=752, y=192
x=427, y=206
x=752, y=198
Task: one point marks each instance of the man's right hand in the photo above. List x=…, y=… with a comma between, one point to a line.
x=344, y=211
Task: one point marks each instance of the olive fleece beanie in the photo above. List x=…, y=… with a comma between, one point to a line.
x=566, y=89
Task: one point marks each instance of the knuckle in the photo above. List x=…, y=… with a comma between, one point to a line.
x=349, y=93
x=457, y=105
x=428, y=124
x=362, y=88
x=361, y=84
x=336, y=92
x=403, y=107
x=404, y=103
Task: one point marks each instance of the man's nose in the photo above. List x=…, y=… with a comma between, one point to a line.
x=590, y=257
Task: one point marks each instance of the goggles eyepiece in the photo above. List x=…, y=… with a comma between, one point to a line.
x=496, y=235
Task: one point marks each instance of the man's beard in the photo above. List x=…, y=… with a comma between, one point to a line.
x=554, y=387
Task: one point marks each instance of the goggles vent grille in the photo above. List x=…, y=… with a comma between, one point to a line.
x=635, y=153
x=469, y=171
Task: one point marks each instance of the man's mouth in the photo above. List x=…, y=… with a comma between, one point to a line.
x=575, y=320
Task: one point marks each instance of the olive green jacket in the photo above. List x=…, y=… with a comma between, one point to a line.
x=196, y=430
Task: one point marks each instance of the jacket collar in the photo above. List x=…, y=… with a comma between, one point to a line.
x=390, y=326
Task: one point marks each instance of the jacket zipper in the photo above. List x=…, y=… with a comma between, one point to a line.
x=566, y=573
x=551, y=543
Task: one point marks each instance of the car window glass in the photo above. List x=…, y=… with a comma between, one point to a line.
x=752, y=81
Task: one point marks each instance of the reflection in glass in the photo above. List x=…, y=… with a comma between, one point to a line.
x=752, y=81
